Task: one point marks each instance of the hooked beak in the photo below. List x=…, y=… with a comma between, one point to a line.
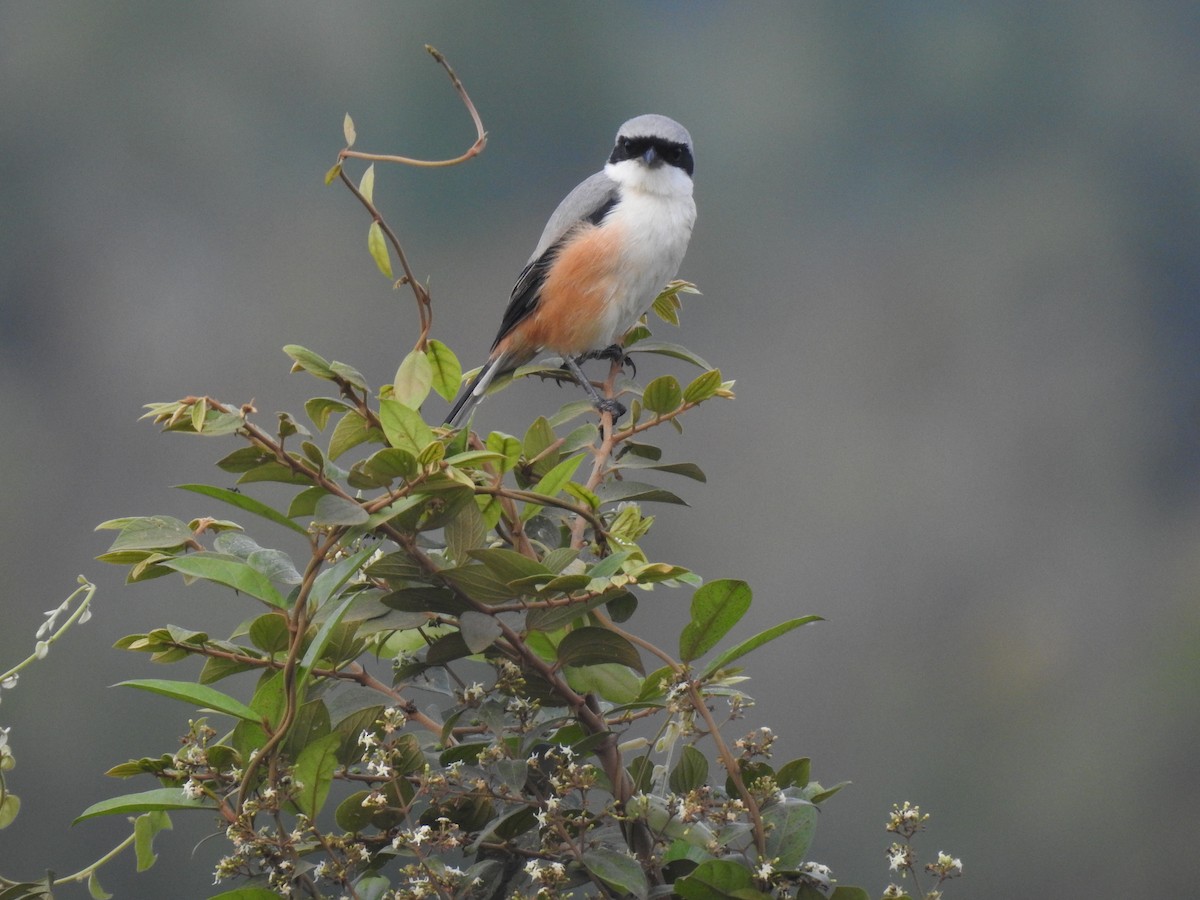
x=651, y=158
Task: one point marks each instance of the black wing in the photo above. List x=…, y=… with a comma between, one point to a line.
x=599, y=192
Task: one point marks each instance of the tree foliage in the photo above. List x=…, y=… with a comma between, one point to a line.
x=447, y=690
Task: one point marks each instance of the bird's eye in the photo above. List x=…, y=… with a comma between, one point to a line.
x=675, y=154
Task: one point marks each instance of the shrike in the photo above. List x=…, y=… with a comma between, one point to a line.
x=613, y=243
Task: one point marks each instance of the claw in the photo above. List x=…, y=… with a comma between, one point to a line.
x=611, y=405
x=615, y=353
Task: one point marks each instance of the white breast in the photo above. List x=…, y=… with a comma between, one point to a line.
x=657, y=220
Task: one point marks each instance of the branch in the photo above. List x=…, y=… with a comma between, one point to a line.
x=474, y=150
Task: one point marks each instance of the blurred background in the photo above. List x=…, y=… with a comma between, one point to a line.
x=948, y=251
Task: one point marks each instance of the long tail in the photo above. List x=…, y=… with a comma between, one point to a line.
x=473, y=394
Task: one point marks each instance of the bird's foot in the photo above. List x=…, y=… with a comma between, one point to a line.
x=611, y=405
x=615, y=353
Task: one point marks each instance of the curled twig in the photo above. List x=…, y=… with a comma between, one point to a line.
x=474, y=150
x=424, y=303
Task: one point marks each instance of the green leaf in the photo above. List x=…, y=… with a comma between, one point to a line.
x=311, y=724
x=690, y=772
x=796, y=773
x=307, y=361
x=305, y=502
x=383, y=467
x=478, y=584
x=554, y=617
x=351, y=815
x=95, y=890
x=332, y=174
x=200, y=695
x=229, y=571
x=145, y=801
x=790, y=823
x=746, y=646
x=269, y=633
x=447, y=649
x=666, y=348
x=350, y=374
x=703, y=387
x=413, y=380
x=269, y=703
x=583, y=436
x=718, y=879
x=510, y=566
x=551, y=483
x=319, y=409
x=610, y=681
x=314, y=770
x=617, y=491
x=666, y=307
x=716, y=608
x=619, y=871
x=591, y=646
x=445, y=369
x=479, y=630
x=539, y=436
x=366, y=184
x=248, y=893
x=377, y=246
x=507, y=446
x=334, y=577
x=243, y=459
x=426, y=599
x=148, y=533
x=821, y=796
x=351, y=430
x=465, y=532
x=334, y=510
x=849, y=892
x=403, y=426
x=662, y=395
x=470, y=458
x=610, y=565
x=9, y=807
x=244, y=502
x=631, y=461
x=145, y=827
x=277, y=471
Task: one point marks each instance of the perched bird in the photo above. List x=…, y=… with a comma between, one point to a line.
x=609, y=248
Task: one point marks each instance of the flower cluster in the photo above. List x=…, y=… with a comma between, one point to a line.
x=907, y=820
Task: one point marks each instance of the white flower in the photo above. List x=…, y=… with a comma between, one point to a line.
x=10, y=681
x=368, y=740
x=764, y=871
x=40, y=649
x=380, y=769
x=192, y=789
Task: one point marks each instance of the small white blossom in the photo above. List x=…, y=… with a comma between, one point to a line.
x=192, y=789
x=40, y=649
x=379, y=769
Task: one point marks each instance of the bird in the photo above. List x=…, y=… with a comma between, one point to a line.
x=609, y=248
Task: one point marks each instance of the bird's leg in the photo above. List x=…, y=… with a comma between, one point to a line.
x=614, y=352
x=603, y=404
